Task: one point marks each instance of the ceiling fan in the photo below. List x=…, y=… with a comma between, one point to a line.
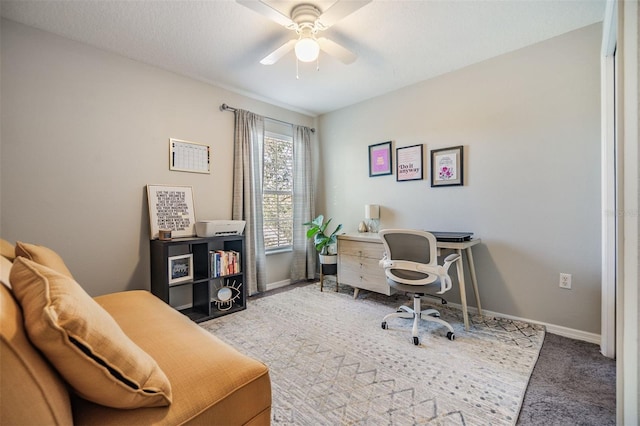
x=307, y=21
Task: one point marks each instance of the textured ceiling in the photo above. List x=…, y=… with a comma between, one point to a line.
x=220, y=41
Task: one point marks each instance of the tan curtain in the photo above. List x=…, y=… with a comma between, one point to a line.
x=304, y=254
x=247, y=194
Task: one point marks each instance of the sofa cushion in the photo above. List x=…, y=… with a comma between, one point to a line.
x=213, y=383
x=31, y=389
x=42, y=255
x=7, y=250
x=84, y=342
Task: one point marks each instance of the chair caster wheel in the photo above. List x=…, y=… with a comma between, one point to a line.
x=384, y=325
x=451, y=336
x=416, y=341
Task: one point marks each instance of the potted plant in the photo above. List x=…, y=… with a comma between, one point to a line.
x=322, y=241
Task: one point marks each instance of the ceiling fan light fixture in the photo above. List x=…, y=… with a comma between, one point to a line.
x=307, y=49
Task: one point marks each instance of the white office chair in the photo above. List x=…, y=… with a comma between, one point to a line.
x=411, y=265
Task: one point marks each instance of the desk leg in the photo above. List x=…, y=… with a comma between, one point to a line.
x=463, y=294
x=474, y=280
x=356, y=290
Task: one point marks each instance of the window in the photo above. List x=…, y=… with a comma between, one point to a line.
x=277, y=193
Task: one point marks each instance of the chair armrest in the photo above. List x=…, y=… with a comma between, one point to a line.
x=453, y=257
x=383, y=262
x=443, y=272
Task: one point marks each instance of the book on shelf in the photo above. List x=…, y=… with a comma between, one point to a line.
x=224, y=262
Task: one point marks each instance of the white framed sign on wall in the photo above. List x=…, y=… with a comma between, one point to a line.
x=171, y=207
x=185, y=156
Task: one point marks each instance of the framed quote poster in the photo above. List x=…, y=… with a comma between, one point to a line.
x=380, y=161
x=409, y=163
x=171, y=207
x=447, y=166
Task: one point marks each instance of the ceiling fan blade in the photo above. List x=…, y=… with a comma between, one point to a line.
x=337, y=51
x=339, y=10
x=266, y=10
x=275, y=56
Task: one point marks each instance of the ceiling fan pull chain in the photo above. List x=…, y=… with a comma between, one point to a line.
x=318, y=63
x=297, y=70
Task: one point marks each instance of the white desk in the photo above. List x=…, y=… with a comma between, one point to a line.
x=359, y=253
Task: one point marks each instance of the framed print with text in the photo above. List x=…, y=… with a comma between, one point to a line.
x=171, y=207
x=409, y=163
x=380, y=161
x=447, y=167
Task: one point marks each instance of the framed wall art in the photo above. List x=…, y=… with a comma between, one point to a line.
x=180, y=268
x=171, y=207
x=380, y=161
x=409, y=163
x=447, y=167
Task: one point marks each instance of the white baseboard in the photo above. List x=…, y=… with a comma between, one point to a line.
x=278, y=284
x=574, y=334
x=551, y=328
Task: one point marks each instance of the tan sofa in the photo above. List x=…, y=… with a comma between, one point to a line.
x=210, y=382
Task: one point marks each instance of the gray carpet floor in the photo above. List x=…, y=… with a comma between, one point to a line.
x=572, y=384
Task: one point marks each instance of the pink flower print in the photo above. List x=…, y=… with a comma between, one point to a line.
x=445, y=173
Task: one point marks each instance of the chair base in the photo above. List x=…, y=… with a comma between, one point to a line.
x=418, y=314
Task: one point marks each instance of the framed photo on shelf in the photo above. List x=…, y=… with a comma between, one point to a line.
x=447, y=167
x=171, y=207
x=409, y=163
x=380, y=161
x=180, y=268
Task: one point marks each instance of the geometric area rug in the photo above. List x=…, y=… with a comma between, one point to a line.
x=331, y=363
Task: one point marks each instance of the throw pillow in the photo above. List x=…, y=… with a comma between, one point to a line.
x=5, y=270
x=7, y=250
x=83, y=342
x=42, y=255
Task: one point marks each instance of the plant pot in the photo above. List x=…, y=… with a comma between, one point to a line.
x=329, y=264
x=329, y=259
x=329, y=269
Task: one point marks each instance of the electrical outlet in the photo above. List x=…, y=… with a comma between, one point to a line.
x=565, y=281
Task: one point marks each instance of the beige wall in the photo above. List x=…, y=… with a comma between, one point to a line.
x=529, y=123
x=84, y=131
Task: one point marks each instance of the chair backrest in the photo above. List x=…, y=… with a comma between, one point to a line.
x=410, y=256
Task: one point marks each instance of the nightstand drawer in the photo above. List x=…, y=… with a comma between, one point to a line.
x=358, y=263
x=361, y=249
x=363, y=276
x=363, y=273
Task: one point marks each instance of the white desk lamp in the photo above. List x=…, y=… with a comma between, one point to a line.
x=372, y=214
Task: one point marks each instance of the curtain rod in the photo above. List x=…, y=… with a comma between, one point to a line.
x=225, y=107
